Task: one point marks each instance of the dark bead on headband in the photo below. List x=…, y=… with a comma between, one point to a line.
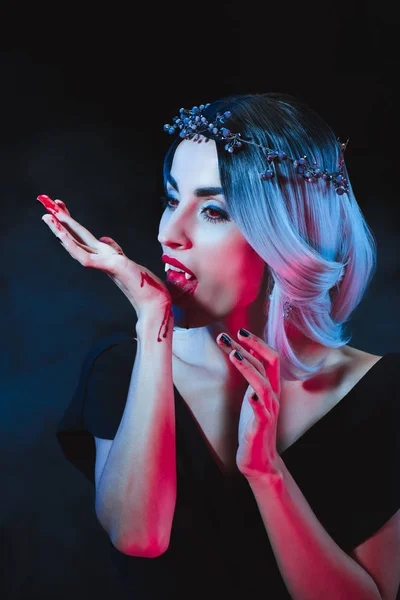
x=192, y=123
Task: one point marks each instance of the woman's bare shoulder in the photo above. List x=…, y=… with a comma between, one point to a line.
x=360, y=358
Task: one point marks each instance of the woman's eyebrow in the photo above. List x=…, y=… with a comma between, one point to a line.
x=202, y=192
x=208, y=191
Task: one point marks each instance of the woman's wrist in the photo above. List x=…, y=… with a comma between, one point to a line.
x=157, y=321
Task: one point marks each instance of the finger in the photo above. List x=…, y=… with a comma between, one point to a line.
x=259, y=384
x=69, y=242
x=80, y=252
x=107, y=240
x=82, y=235
x=234, y=345
x=62, y=205
x=254, y=353
x=259, y=408
x=269, y=357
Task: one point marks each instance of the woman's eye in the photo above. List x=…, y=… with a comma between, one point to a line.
x=220, y=214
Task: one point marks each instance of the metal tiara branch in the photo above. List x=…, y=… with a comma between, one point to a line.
x=192, y=123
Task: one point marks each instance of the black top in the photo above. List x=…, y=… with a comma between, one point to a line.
x=346, y=465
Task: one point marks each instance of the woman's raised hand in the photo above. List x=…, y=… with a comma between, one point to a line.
x=145, y=291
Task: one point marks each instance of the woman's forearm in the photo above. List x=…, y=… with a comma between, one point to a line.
x=312, y=565
x=136, y=495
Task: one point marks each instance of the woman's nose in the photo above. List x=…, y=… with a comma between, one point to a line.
x=173, y=234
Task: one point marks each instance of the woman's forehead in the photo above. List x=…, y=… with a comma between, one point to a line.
x=191, y=156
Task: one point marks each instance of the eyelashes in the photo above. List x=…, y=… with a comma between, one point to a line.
x=221, y=215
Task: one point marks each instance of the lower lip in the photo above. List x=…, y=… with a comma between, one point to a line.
x=178, y=285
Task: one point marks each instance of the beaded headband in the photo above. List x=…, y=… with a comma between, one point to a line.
x=192, y=123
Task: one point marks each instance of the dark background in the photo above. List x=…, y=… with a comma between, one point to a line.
x=84, y=96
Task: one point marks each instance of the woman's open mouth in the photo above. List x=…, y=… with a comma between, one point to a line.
x=178, y=285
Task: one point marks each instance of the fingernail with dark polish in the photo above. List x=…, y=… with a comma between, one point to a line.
x=238, y=355
x=224, y=338
x=254, y=397
x=244, y=332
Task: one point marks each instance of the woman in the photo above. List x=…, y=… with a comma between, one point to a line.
x=241, y=443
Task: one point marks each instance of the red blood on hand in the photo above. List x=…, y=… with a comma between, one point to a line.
x=57, y=223
x=167, y=310
x=48, y=203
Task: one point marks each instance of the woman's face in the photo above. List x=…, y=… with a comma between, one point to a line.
x=197, y=230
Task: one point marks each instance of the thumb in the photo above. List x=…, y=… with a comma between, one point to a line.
x=110, y=242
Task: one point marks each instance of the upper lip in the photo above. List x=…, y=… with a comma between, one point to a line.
x=175, y=263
